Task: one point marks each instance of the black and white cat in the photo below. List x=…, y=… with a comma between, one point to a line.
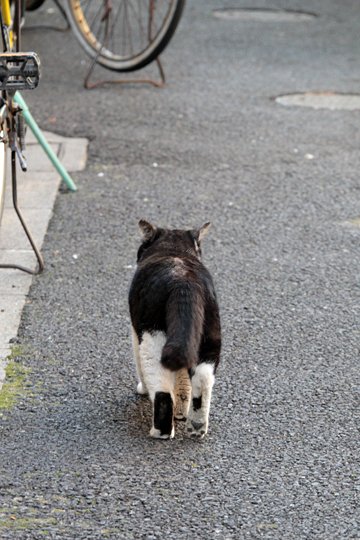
x=176, y=328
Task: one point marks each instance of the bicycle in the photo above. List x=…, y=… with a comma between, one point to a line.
x=124, y=35
x=18, y=71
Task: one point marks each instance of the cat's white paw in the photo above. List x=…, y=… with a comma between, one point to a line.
x=196, y=429
x=141, y=389
x=156, y=434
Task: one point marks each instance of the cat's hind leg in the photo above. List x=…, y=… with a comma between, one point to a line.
x=203, y=377
x=182, y=394
x=202, y=383
x=160, y=383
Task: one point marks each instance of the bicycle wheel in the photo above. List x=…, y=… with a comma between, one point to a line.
x=124, y=35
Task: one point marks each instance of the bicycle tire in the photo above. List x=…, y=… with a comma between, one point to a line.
x=85, y=18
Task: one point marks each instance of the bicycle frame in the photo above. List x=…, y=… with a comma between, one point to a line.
x=7, y=20
x=17, y=97
x=6, y=12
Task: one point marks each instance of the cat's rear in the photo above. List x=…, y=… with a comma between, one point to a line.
x=176, y=328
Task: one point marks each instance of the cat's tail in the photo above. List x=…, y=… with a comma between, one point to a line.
x=184, y=321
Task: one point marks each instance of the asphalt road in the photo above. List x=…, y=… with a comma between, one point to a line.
x=281, y=187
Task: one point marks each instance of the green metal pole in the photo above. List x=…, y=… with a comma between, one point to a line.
x=43, y=142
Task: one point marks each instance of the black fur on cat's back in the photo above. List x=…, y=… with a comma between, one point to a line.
x=173, y=292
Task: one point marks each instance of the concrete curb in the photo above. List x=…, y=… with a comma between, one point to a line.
x=37, y=191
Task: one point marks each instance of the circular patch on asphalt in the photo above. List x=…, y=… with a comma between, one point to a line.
x=321, y=100
x=263, y=15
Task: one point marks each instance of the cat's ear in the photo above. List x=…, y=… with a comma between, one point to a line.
x=202, y=232
x=147, y=229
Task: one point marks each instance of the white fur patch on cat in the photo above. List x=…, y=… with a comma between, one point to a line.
x=156, y=434
x=203, y=379
x=141, y=388
x=155, y=376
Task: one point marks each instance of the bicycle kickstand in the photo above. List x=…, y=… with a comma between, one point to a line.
x=91, y=85
x=40, y=260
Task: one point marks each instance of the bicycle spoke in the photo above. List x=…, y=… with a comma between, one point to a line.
x=131, y=32
x=96, y=30
x=132, y=17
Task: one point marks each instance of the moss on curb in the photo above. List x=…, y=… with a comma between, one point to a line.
x=14, y=386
